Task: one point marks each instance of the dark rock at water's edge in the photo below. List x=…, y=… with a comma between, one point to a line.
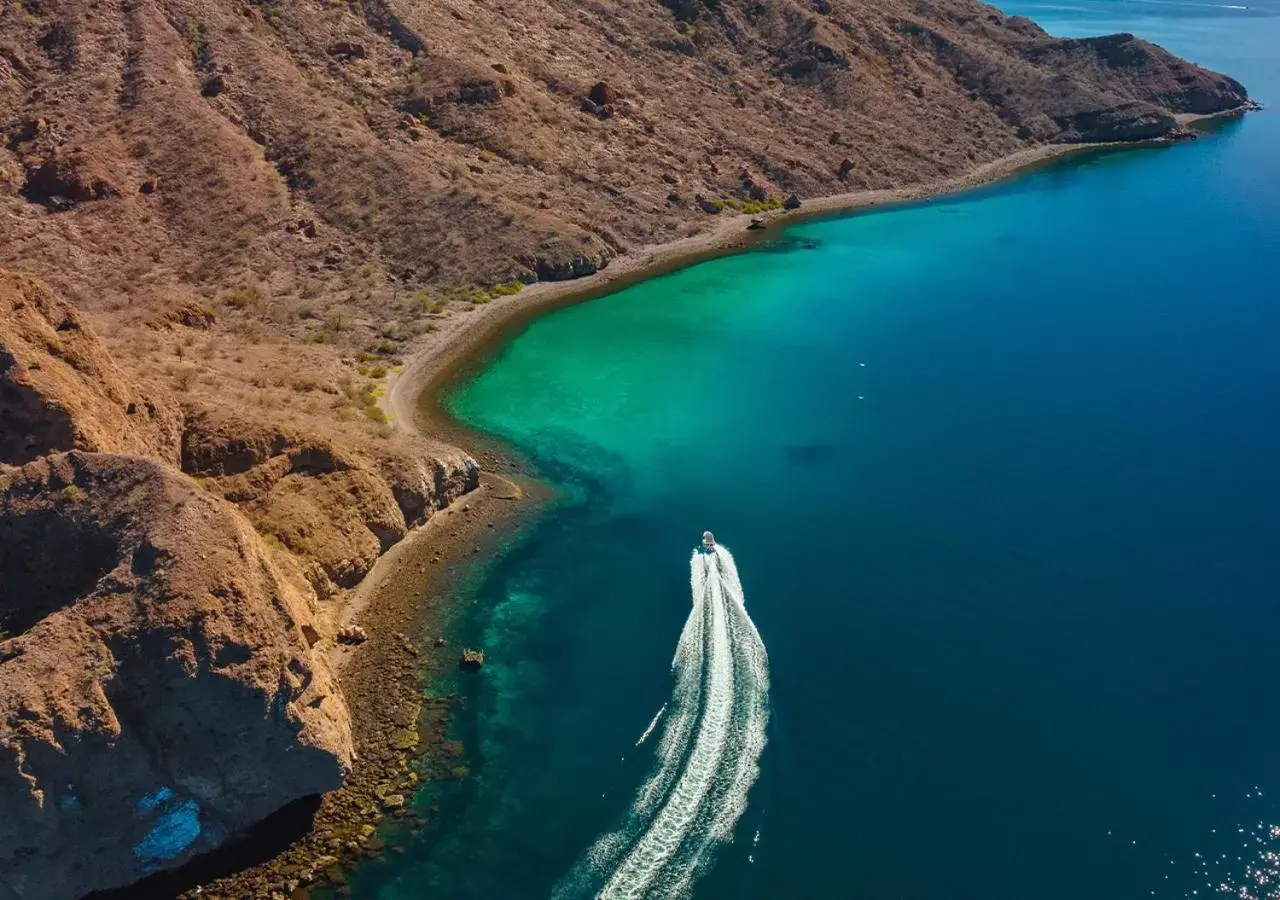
x=562, y=259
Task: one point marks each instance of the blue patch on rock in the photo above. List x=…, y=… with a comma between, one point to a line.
x=173, y=832
x=148, y=802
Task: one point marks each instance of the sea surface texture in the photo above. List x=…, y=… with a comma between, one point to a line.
x=1000, y=475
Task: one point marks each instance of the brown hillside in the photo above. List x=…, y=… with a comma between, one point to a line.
x=299, y=171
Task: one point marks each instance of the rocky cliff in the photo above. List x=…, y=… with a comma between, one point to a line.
x=337, y=507
x=163, y=637
x=159, y=689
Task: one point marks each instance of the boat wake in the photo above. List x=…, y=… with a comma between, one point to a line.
x=708, y=756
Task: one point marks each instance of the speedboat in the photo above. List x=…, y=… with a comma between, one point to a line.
x=708, y=542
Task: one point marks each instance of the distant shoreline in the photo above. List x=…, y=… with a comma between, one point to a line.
x=413, y=394
x=463, y=341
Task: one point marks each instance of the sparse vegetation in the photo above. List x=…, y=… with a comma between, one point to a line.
x=507, y=288
x=333, y=325
x=242, y=297
x=750, y=207
x=269, y=538
x=369, y=396
x=266, y=128
x=475, y=295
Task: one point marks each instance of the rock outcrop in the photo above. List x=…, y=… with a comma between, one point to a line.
x=336, y=506
x=60, y=390
x=158, y=688
x=163, y=674
x=1115, y=88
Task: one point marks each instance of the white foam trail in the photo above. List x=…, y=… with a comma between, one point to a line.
x=652, y=725
x=708, y=756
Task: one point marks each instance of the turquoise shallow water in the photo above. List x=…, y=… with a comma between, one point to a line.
x=1000, y=475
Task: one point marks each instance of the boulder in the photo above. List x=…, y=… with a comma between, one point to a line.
x=60, y=180
x=347, y=50
x=214, y=85
x=601, y=112
x=602, y=94
x=601, y=101
x=352, y=634
x=709, y=207
x=564, y=256
x=158, y=694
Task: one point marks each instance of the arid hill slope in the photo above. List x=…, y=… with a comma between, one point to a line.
x=245, y=195
x=161, y=152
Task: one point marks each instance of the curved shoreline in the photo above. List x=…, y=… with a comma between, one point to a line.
x=463, y=338
x=413, y=394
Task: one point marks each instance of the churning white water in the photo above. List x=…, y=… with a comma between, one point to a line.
x=708, y=756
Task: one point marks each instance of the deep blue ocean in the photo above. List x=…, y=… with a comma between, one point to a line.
x=1001, y=474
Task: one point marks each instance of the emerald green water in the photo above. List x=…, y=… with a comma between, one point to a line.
x=1000, y=476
